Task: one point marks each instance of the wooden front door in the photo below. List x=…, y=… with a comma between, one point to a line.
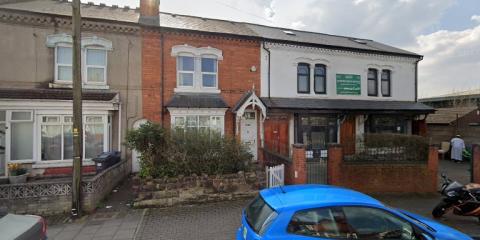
x=348, y=134
x=276, y=134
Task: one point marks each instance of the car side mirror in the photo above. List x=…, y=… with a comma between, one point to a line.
x=444, y=175
x=426, y=237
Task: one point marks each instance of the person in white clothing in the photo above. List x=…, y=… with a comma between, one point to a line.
x=458, y=145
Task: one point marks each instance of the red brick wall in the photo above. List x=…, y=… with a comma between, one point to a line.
x=296, y=172
x=383, y=178
x=234, y=75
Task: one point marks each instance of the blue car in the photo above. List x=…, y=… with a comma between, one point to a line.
x=303, y=212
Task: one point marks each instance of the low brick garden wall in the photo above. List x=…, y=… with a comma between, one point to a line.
x=197, y=189
x=54, y=196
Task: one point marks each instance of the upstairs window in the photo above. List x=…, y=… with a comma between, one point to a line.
x=197, y=68
x=386, y=83
x=186, y=71
x=320, y=79
x=303, y=78
x=93, y=55
x=96, y=66
x=372, y=82
x=63, y=63
x=209, y=72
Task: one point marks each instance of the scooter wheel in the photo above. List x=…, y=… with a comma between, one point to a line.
x=439, y=210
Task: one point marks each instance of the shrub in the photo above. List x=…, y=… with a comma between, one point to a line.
x=166, y=153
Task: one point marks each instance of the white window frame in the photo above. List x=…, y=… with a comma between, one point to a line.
x=184, y=71
x=60, y=123
x=85, y=71
x=198, y=54
x=184, y=112
x=8, y=135
x=57, y=65
x=106, y=132
x=209, y=73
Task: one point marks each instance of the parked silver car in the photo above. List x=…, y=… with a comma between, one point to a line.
x=22, y=227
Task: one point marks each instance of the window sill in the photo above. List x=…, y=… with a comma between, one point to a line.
x=196, y=90
x=59, y=163
x=85, y=86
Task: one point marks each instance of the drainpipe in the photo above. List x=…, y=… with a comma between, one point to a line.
x=162, y=67
x=416, y=78
x=268, y=78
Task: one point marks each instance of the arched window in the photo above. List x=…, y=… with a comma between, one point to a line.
x=386, y=83
x=303, y=78
x=320, y=79
x=372, y=82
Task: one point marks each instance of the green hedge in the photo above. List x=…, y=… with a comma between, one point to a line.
x=166, y=153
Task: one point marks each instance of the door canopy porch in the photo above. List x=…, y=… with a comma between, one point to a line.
x=247, y=100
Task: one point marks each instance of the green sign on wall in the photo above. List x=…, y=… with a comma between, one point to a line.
x=348, y=84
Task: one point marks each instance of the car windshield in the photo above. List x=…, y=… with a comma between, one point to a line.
x=259, y=215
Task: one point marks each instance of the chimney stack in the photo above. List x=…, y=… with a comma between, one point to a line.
x=149, y=12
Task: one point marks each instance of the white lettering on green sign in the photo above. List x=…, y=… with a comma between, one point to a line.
x=348, y=84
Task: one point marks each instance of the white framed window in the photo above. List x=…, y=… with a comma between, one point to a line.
x=21, y=135
x=63, y=63
x=209, y=71
x=197, y=68
x=94, y=60
x=96, y=65
x=185, y=71
x=202, y=123
x=56, y=137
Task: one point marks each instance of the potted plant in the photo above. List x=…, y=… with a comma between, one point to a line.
x=18, y=174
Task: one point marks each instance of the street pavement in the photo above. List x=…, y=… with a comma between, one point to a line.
x=218, y=221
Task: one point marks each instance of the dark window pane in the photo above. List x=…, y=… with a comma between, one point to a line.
x=303, y=69
x=323, y=223
x=185, y=63
x=209, y=65
x=372, y=87
x=303, y=84
x=371, y=223
x=372, y=74
x=259, y=215
x=320, y=70
x=385, y=75
x=320, y=84
x=386, y=88
x=209, y=80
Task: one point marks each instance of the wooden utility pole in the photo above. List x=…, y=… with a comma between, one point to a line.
x=77, y=111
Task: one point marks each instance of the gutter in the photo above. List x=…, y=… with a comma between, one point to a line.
x=162, y=41
x=268, y=67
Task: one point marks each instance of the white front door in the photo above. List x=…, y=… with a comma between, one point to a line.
x=135, y=154
x=248, y=131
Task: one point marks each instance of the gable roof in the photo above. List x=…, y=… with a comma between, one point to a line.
x=208, y=25
x=448, y=115
x=197, y=100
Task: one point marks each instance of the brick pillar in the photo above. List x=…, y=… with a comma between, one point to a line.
x=476, y=164
x=298, y=168
x=433, y=168
x=335, y=159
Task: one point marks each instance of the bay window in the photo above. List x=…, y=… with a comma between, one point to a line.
x=202, y=123
x=56, y=137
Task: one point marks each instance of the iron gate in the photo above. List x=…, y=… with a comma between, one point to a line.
x=317, y=164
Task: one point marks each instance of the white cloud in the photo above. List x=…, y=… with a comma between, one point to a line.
x=476, y=18
x=451, y=61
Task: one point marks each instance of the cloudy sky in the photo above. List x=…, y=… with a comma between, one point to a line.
x=446, y=32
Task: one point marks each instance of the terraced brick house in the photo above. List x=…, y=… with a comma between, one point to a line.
x=36, y=83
